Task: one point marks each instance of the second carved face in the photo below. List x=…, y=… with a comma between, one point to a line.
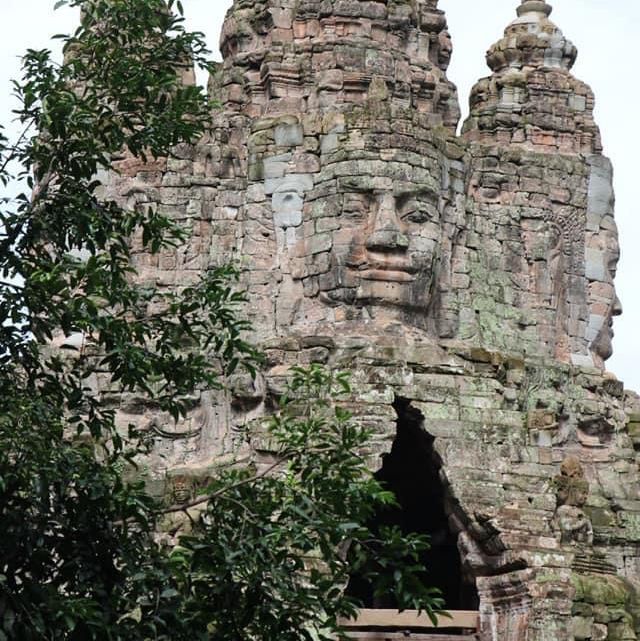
x=383, y=244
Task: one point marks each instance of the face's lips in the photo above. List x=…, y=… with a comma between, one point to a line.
x=388, y=275
x=395, y=264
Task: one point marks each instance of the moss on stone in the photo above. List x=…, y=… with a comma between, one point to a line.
x=601, y=589
x=621, y=632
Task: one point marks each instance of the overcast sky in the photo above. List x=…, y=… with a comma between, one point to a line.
x=607, y=33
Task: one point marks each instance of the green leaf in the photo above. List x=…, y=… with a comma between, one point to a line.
x=134, y=615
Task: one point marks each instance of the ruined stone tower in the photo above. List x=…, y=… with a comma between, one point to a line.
x=465, y=281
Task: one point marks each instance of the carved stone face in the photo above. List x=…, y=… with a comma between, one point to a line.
x=602, y=251
x=386, y=250
x=602, y=255
x=445, y=49
x=372, y=227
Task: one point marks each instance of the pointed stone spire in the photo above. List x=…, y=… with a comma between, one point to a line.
x=534, y=6
x=535, y=150
x=532, y=99
x=532, y=40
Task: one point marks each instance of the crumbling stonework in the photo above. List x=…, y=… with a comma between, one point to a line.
x=471, y=276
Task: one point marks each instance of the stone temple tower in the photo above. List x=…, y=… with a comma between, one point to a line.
x=465, y=281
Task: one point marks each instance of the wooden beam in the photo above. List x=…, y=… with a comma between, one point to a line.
x=389, y=619
x=403, y=636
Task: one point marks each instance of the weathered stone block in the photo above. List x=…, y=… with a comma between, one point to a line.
x=288, y=135
x=581, y=628
x=620, y=632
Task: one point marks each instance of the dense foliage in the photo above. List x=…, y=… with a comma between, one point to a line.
x=271, y=554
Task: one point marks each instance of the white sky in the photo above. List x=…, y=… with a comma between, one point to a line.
x=607, y=33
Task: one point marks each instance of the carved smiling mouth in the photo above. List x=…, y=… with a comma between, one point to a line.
x=390, y=269
x=610, y=327
x=391, y=275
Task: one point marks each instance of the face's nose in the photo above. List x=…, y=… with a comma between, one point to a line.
x=387, y=234
x=617, y=307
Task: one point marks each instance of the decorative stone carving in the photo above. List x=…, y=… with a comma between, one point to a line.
x=572, y=487
x=569, y=521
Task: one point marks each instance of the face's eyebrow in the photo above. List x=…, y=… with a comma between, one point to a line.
x=423, y=190
x=355, y=184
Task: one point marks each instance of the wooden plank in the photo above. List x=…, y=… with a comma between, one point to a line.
x=466, y=619
x=403, y=636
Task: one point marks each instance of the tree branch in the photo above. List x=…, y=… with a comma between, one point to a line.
x=210, y=497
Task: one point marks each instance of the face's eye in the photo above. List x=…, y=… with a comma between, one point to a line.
x=356, y=206
x=419, y=216
x=418, y=208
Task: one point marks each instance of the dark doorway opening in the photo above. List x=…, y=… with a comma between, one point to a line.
x=412, y=472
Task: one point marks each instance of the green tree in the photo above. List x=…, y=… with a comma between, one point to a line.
x=77, y=555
